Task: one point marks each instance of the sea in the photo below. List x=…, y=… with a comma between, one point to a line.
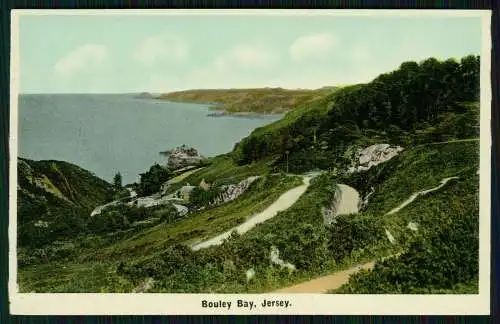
x=110, y=133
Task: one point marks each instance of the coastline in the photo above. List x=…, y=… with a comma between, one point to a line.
x=218, y=110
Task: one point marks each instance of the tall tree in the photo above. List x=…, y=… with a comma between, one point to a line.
x=117, y=180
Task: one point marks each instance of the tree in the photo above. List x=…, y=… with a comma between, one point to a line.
x=152, y=180
x=117, y=180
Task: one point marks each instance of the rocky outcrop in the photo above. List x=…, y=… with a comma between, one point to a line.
x=231, y=192
x=373, y=155
x=364, y=202
x=250, y=274
x=182, y=156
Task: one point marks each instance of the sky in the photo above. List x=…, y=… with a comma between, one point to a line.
x=163, y=53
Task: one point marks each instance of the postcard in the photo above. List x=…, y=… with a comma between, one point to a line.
x=173, y=162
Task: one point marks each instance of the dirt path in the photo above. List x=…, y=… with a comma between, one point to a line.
x=420, y=193
x=323, y=284
x=337, y=279
x=285, y=201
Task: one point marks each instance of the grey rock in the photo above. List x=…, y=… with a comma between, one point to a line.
x=183, y=156
x=373, y=155
x=231, y=192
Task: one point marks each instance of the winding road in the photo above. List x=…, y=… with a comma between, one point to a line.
x=323, y=284
x=347, y=204
x=420, y=193
x=284, y=202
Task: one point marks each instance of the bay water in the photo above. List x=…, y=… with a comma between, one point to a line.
x=109, y=133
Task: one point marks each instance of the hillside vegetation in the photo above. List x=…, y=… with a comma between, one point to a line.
x=430, y=245
x=260, y=100
x=430, y=101
x=55, y=199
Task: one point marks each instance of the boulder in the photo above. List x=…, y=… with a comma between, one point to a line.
x=231, y=192
x=183, y=156
x=373, y=155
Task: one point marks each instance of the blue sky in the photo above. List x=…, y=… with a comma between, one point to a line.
x=111, y=54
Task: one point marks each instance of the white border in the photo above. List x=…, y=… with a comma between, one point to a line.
x=190, y=304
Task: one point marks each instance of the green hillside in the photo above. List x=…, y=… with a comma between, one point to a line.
x=58, y=194
x=260, y=100
x=430, y=101
x=429, y=108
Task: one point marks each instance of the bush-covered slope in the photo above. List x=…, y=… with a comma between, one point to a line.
x=314, y=249
x=429, y=108
x=441, y=257
x=422, y=102
x=55, y=199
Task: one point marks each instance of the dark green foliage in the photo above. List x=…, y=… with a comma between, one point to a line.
x=58, y=194
x=352, y=232
x=200, y=197
x=446, y=258
x=121, y=194
x=167, y=214
x=417, y=104
x=119, y=217
x=117, y=180
x=401, y=106
x=152, y=180
x=444, y=252
x=174, y=258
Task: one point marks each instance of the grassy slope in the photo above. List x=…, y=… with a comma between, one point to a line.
x=73, y=275
x=422, y=167
x=303, y=240
x=430, y=262
x=395, y=180
x=224, y=170
x=207, y=223
x=260, y=100
x=71, y=195
x=76, y=184
x=398, y=183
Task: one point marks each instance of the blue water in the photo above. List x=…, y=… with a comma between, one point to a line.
x=109, y=133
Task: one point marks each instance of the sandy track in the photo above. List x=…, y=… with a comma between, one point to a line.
x=349, y=200
x=347, y=206
x=284, y=202
x=323, y=284
x=420, y=193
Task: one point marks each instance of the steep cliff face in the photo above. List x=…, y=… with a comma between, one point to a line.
x=54, y=199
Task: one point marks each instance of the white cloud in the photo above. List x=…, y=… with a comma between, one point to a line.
x=80, y=59
x=161, y=47
x=247, y=56
x=235, y=67
x=312, y=46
